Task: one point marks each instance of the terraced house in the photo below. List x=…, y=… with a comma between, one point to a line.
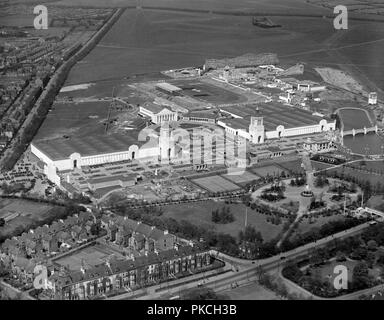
x=139, y=272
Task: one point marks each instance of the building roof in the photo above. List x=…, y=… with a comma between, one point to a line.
x=153, y=107
x=202, y=114
x=237, y=123
x=92, y=145
x=119, y=266
x=168, y=87
x=275, y=114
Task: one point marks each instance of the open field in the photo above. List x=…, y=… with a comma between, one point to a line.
x=91, y=256
x=208, y=92
x=293, y=166
x=374, y=177
x=339, y=79
x=270, y=170
x=200, y=214
x=27, y=213
x=215, y=184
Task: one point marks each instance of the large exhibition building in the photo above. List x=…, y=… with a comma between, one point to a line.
x=69, y=154
x=273, y=121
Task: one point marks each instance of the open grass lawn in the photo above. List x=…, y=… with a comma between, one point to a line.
x=374, y=178
x=293, y=166
x=200, y=214
x=207, y=92
x=375, y=165
x=271, y=170
x=29, y=212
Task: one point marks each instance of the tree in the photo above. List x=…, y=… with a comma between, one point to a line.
x=361, y=278
x=372, y=245
x=359, y=253
x=2, y=222
x=215, y=216
x=251, y=235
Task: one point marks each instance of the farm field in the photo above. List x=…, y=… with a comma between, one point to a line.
x=199, y=214
x=90, y=256
x=27, y=213
x=215, y=184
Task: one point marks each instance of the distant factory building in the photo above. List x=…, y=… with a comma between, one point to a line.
x=157, y=113
x=168, y=88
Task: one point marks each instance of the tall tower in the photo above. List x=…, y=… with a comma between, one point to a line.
x=372, y=98
x=256, y=130
x=165, y=144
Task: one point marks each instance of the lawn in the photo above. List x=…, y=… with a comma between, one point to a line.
x=199, y=213
x=268, y=170
x=207, y=92
x=293, y=166
x=27, y=213
x=373, y=177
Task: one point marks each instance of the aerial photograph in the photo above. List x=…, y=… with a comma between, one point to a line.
x=191, y=150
